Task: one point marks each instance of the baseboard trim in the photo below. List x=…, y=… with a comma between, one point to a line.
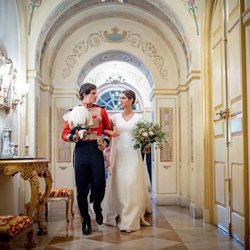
x=196, y=212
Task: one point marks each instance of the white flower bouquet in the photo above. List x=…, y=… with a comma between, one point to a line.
x=147, y=133
x=81, y=119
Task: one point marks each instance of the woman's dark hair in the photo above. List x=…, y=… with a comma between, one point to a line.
x=85, y=89
x=130, y=94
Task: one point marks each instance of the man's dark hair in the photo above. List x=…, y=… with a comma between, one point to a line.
x=85, y=89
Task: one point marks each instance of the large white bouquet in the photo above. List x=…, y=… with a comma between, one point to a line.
x=80, y=118
x=147, y=133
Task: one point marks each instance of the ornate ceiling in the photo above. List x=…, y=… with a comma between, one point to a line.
x=163, y=18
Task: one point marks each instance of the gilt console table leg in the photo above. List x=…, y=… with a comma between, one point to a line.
x=31, y=170
x=42, y=201
x=33, y=179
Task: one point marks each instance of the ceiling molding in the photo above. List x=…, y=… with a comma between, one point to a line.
x=68, y=8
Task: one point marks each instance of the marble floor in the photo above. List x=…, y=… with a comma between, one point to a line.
x=171, y=227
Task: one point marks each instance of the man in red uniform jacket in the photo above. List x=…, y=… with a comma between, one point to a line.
x=88, y=158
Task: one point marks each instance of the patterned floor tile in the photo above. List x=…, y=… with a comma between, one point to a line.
x=171, y=235
x=172, y=228
x=116, y=237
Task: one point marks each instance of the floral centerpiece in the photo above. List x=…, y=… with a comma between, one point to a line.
x=147, y=133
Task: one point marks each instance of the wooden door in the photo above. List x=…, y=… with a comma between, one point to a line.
x=228, y=167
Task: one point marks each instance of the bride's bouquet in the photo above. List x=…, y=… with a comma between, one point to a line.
x=147, y=133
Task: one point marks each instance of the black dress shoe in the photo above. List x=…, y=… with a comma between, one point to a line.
x=99, y=218
x=86, y=228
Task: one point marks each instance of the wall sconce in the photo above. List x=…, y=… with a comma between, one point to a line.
x=16, y=101
x=19, y=95
x=11, y=94
x=6, y=78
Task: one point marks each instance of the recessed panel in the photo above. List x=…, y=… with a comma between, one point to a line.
x=220, y=184
x=232, y=4
x=238, y=223
x=236, y=105
x=219, y=128
x=216, y=24
x=217, y=77
x=236, y=125
x=234, y=62
x=167, y=179
x=236, y=148
x=220, y=150
x=237, y=188
x=222, y=217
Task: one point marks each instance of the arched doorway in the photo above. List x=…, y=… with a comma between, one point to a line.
x=112, y=76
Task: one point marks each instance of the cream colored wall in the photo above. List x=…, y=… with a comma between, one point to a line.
x=196, y=144
x=183, y=142
x=9, y=43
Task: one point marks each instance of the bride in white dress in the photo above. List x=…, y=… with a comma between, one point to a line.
x=126, y=198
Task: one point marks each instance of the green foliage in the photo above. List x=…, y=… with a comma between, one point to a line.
x=148, y=133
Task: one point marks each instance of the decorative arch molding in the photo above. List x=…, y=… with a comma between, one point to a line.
x=66, y=9
x=115, y=56
x=115, y=35
x=96, y=39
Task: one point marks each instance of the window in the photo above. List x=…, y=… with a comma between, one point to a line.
x=111, y=100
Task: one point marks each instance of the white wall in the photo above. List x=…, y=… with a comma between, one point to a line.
x=9, y=44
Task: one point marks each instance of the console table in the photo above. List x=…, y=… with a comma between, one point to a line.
x=31, y=169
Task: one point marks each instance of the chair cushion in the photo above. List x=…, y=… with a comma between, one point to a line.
x=60, y=192
x=11, y=225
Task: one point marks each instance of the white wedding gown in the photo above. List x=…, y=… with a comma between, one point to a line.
x=126, y=198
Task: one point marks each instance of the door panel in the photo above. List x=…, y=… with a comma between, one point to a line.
x=236, y=166
x=238, y=218
x=234, y=62
x=218, y=90
x=221, y=205
x=220, y=198
x=227, y=124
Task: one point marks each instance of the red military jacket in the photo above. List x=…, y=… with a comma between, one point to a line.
x=100, y=119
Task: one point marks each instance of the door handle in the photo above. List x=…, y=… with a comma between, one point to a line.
x=224, y=114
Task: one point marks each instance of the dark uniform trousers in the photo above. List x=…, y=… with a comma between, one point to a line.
x=89, y=169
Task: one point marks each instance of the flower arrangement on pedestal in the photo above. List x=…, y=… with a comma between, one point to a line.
x=147, y=133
